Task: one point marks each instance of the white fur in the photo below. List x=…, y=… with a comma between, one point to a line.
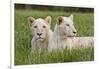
x=76, y=42
x=63, y=35
x=40, y=26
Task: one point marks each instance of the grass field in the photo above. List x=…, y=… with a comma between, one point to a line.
x=84, y=23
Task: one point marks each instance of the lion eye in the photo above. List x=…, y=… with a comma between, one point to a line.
x=67, y=24
x=35, y=26
x=44, y=26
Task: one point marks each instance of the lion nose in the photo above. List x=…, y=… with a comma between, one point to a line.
x=74, y=32
x=39, y=34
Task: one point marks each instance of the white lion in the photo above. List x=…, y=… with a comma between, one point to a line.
x=41, y=32
x=64, y=35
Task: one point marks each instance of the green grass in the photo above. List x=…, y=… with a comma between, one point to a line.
x=84, y=23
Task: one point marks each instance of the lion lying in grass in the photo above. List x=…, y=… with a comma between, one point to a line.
x=41, y=32
x=64, y=35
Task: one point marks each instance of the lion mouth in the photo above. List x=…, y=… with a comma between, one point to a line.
x=72, y=36
x=39, y=38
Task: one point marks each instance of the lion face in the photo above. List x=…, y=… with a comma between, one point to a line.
x=66, y=26
x=40, y=27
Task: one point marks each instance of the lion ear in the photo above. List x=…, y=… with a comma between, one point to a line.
x=48, y=19
x=71, y=17
x=31, y=20
x=59, y=20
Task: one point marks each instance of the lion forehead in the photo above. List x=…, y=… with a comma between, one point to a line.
x=67, y=20
x=40, y=22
